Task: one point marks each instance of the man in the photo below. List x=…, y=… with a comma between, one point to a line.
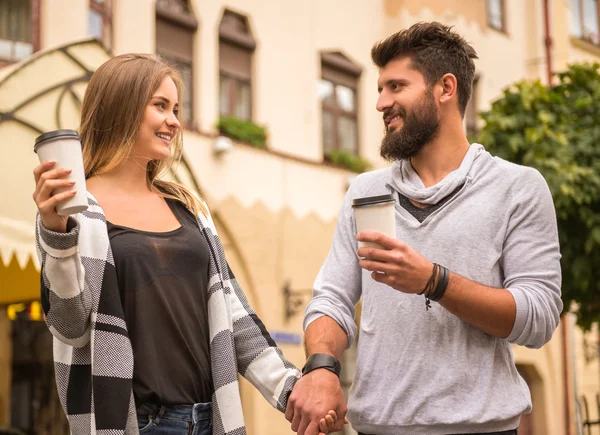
x=434, y=355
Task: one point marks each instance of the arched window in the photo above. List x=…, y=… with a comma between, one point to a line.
x=19, y=29
x=236, y=49
x=338, y=93
x=175, y=29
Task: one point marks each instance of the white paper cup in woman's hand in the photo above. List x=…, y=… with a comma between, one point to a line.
x=64, y=147
x=375, y=213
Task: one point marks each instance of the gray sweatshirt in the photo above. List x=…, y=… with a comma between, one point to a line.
x=428, y=372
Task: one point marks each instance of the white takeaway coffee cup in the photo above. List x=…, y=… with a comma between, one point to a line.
x=375, y=213
x=64, y=147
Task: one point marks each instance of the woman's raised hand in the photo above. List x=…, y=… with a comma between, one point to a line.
x=48, y=178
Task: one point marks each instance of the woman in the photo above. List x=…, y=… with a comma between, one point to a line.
x=150, y=324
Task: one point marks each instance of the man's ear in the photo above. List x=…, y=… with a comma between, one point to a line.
x=449, y=86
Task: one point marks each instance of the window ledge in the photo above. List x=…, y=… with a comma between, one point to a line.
x=585, y=45
x=501, y=30
x=277, y=153
x=6, y=62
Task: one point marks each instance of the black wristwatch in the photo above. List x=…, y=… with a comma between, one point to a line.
x=322, y=361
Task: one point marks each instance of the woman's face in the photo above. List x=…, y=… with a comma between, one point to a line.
x=160, y=123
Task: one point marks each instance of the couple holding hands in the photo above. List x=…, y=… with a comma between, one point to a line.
x=151, y=328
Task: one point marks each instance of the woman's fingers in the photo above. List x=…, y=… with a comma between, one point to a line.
x=52, y=175
x=41, y=168
x=323, y=427
x=50, y=204
x=327, y=423
x=50, y=185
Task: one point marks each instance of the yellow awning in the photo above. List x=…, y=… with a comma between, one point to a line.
x=42, y=93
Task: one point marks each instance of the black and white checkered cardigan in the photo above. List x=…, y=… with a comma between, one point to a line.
x=92, y=352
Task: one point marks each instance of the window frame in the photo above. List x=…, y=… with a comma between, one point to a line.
x=186, y=22
x=492, y=25
x=104, y=9
x=582, y=36
x=35, y=34
x=234, y=85
x=339, y=71
x=231, y=40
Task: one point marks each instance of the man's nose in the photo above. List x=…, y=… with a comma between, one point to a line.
x=385, y=101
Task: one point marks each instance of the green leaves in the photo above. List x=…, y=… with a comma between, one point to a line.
x=557, y=130
x=242, y=130
x=348, y=160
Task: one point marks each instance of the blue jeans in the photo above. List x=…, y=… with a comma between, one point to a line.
x=175, y=420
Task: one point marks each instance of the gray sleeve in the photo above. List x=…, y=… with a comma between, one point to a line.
x=66, y=305
x=531, y=262
x=337, y=287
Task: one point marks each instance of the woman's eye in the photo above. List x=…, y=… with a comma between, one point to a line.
x=161, y=105
x=176, y=112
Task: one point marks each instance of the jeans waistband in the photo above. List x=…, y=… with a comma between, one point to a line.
x=193, y=413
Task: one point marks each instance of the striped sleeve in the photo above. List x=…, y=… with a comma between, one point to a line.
x=259, y=359
x=66, y=305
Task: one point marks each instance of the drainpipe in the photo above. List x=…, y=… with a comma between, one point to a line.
x=564, y=319
x=548, y=41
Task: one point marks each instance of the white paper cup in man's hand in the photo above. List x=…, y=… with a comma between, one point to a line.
x=64, y=147
x=375, y=213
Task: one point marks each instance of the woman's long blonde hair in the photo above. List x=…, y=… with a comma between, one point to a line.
x=112, y=112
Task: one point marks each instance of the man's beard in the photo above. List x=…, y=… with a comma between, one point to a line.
x=419, y=127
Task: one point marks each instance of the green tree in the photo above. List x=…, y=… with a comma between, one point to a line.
x=556, y=129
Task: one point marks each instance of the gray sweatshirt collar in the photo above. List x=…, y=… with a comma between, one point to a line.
x=406, y=181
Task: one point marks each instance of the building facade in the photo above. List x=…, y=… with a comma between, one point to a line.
x=300, y=74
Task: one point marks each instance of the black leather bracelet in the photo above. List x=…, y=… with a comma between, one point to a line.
x=442, y=284
x=322, y=361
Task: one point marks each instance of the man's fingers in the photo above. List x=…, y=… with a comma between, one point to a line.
x=289, y=411
x=302, y=427
x=296, y=421
x=378, y=266
x=382, y=240
x=380, y=277
x=311, y=429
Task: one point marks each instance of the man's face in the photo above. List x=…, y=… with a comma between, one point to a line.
x=410, y=114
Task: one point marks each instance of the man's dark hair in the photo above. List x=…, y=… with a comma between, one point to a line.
x=434, y=50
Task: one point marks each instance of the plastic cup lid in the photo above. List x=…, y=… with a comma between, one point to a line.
x=372, y=200
x=54, y=135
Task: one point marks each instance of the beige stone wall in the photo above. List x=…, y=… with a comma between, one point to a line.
x=133, y=26
x=63, y=20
